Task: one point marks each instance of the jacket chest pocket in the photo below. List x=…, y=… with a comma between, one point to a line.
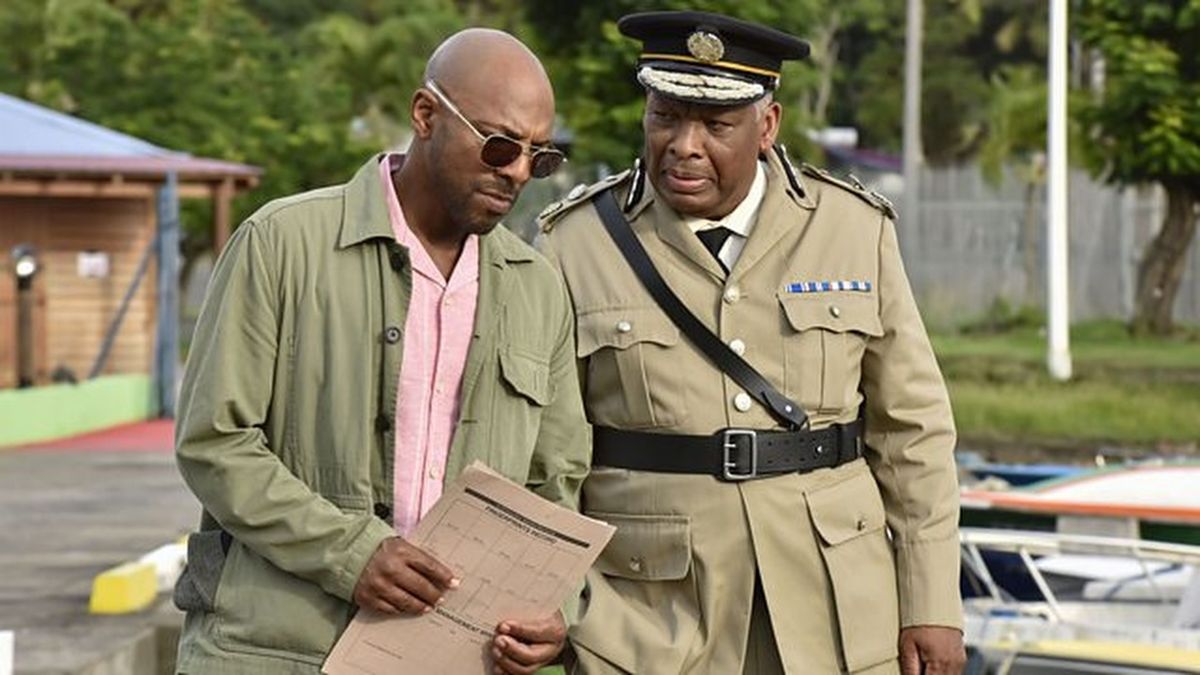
x=527, y=375
x=630, y=354
x=524, y=390
x=824, y=347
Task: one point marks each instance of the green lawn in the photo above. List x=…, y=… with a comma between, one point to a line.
x=1094, y=344
x=1126, y=391
x=1089, y=412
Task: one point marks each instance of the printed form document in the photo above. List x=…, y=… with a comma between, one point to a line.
x=517, y=556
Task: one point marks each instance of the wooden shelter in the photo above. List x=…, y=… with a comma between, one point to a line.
x=97, y=206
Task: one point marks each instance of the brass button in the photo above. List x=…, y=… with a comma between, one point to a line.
x=624, y=326
x=835, y=311
x=635, y=564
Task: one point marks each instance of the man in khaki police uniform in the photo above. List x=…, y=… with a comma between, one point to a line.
x=839, y=554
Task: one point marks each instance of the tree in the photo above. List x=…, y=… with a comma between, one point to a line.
x=1145, y=126
x=204, y=76
x=970, y=49
x=380, y=60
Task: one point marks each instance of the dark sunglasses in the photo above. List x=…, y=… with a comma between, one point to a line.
x=499, y=151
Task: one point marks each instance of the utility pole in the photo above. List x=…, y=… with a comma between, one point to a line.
x=166, y=348
x=1058, y=311
x=910, y=211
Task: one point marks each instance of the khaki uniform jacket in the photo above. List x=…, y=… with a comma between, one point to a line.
x=846, y=556
x=286, y=418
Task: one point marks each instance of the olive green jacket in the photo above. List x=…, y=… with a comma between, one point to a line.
x=285, y=429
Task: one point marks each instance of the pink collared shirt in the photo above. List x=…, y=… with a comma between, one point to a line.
x=437, y=333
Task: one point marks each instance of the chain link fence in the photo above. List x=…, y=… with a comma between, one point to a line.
x=975, y=243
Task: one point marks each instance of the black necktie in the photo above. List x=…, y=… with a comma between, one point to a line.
x=713, y=239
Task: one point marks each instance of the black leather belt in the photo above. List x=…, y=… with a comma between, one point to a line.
x=731, y=454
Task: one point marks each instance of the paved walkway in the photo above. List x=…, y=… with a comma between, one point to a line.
x=69, y=510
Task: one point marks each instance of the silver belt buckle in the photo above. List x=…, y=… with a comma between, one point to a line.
x=729, y=467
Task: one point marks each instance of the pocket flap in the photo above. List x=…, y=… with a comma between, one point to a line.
x=839, y=312
x=622, y=327
x=846, y=510
x=527, y=374
x=646, y=547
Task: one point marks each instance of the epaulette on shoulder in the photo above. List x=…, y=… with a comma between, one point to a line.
x=578, y=195
x=853, y=186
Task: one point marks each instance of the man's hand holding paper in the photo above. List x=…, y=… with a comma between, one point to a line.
x=402, y=579
x=522, y=647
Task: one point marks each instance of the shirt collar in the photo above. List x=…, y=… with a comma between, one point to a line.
x=741, y=219
x=466, y=270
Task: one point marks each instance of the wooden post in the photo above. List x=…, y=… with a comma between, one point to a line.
x=26, y=367
x=222, y=203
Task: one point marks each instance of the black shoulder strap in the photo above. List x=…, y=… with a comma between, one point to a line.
x=785, y=410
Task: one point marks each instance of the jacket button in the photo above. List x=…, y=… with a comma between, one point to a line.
x=860, y=524
x=737, y=346
x=635, y=564
x=742, y=402
x=732, y=294
x=383, y=511
x=397, y=257
x=624, y=326
x=391, y=335
x=835, y=311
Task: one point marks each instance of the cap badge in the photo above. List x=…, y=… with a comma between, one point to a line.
x=705, y=46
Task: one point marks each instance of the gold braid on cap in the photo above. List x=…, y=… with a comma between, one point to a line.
x=697, y=86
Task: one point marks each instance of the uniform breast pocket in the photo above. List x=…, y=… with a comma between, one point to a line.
x=824, y=346
x=630, y=355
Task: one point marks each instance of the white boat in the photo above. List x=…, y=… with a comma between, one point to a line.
x=1024, y=587
x=1158, y=502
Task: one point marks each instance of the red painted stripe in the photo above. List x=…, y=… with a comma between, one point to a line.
x=152, y=436
x=1045, y=505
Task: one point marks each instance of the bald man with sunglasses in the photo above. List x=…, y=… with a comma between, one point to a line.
x=359, y=346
